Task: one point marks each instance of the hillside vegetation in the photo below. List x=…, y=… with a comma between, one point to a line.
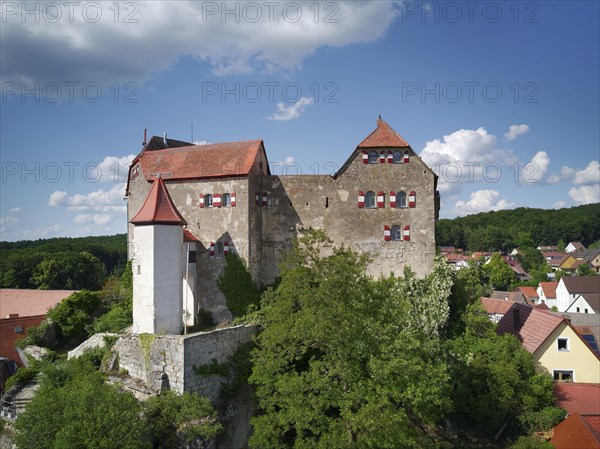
x=498, y=231
x=62, y=263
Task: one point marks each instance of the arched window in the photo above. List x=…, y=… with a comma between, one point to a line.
x=401, y=200
x=208, y=200
x=226, y=200
x=370, y=200
x=398, y=157
x=373, y=157
x=396, y=233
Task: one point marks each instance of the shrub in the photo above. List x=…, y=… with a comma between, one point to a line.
x=236, y=284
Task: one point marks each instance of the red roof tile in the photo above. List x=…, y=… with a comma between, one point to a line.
x=578, y=398
x=529, y=291
x=575, y=432
x=189, y=237
x=202, y=161
x=383, y=136
x=549, y=289
x=497, y=306
x=533, y=327
x=26, y=302
x=158, y=208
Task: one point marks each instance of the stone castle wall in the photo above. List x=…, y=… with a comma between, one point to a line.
x=158, y=359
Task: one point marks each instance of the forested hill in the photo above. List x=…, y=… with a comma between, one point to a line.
x=493, y=231
x=62, y=263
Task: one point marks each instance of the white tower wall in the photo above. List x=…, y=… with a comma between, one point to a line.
x=157, y=287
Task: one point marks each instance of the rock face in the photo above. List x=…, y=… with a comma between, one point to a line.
x=95, y=341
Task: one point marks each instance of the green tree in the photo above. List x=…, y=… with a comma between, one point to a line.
x=531, y=442
x=561, y=246
x=531, y=258
x=340, y=361
x=69, y=271
x=237, y=285
x=175, y=419
x=76, y=409
x=501, y=276
x=72, y=315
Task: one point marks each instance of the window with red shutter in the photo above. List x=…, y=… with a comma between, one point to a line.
x=392, y=200
x=412, y=200
x=361, y=199
x=380, y=200
x=386, y=233
x=233, y=199
x=406, y=233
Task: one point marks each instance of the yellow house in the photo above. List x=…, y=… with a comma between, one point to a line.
x=554, y=343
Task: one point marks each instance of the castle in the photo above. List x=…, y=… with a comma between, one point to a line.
x=189, y=205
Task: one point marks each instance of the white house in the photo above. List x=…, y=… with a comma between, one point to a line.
x=571, y=288
x=574, y=246
x=547, y=293
x=585, y=303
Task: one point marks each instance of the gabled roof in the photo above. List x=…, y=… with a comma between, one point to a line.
x=383, y=136
x=588, y=254
x=530, y=292
x=533, y=327
x=158, y=208
x=549, y=289
x=577, y=245
x=582, y=284
x=577, y=432
x=201, y=161
x=593, y=299
x=496, y=306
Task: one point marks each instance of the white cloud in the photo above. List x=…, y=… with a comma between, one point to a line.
x=515, y=131
x=465, y=156
x=560, y=204
x=534, y=171
x=111, y=169
x=291, y=112
x=588, y=176
x=15, y=209
x=119, y=50
x=201, y=142
x=585, y=194
x=482, y=201
x=99, y=219
x=98, y=201
x=8, y=220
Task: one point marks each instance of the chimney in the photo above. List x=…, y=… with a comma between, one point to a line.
x=165, y=139
x=516, y=318
x=145, y=129
x=379, y=121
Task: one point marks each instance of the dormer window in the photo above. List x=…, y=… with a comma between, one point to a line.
x=373, y=157
x=398, y=157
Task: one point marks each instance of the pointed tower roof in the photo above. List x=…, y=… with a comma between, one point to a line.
x=158, y=207
x=383, y=136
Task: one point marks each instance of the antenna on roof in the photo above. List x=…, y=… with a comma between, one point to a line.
x=144, y=144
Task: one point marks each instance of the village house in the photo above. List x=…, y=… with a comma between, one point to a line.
x=592, y=256
x=574, y=247
x=547, y=293
x=570, y=288
x=496, y=308
x=223, y=198
x=553, y=342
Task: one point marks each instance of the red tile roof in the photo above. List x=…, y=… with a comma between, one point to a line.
x=189, y=237
x=549, y=289
x=29, y=302
x=578, y=398
x=158, y=208
x=383, y=136
x=576, y=432
x=530, y=292
x=496, y=306
x=533, y=328
x=202, y=161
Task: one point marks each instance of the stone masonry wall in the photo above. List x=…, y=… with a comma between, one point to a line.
x=151, y=357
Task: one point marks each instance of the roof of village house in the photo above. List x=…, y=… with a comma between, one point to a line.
x=383, y=136
x=549, y=289
x=158, y=207
x=25, y=302
x=530, y=292
x=533, y=327
x=553, y=254
x=542, y=306
x=558, y=261
x=577, y=432
x=582, y=284
x=578, y=397
x=496, y=306
x=499, y=294
x=201, y=161
x=577, y=245
x=588, y=254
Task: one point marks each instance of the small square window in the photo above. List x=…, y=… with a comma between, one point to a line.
x=563, y=344
x=585, y=310
x=578, y=310
x=18, y=329
x=563, y=375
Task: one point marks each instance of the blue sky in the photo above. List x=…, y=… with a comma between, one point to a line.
x=500, y=98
